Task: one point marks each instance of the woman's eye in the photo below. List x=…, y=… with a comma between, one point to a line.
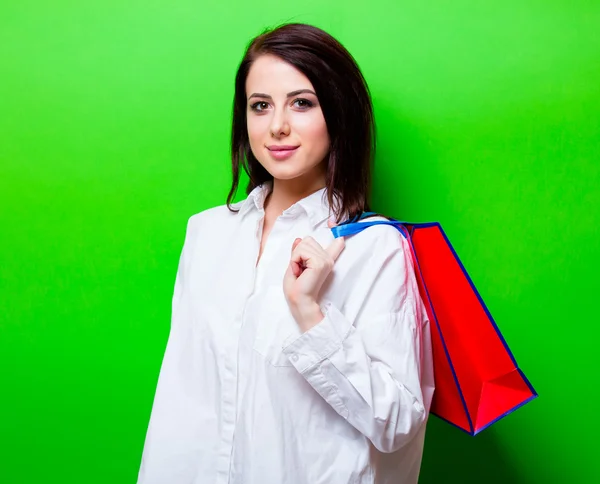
x=259, y=106
x=303, y=103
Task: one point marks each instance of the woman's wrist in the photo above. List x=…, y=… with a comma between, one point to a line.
x=307, y=315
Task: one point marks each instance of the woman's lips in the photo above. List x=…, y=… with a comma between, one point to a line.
x=282, y=154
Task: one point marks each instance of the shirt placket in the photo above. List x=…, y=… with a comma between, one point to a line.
x=231, y=365
x=260, y=274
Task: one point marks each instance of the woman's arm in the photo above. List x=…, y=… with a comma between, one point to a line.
x=370, y=370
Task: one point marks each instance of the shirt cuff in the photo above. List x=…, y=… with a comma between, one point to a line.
x=319, y=342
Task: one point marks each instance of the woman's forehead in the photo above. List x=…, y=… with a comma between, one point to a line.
x=272, y=75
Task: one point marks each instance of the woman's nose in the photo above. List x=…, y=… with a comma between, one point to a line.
x=279, y=124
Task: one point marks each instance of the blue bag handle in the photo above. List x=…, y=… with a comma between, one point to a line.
x=352, y=226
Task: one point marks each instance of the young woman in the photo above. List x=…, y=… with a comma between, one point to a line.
x=293, y=357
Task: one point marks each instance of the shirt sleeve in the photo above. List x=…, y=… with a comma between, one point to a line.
x=369, y=368
x=184, y=263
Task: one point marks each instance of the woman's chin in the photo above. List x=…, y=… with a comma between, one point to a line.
x=284, y=172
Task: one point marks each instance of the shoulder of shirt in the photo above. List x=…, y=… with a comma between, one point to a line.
x=213, y=216
x=382, y=238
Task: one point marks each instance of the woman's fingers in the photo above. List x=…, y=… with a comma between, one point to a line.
x=310, y=265
x=333, y=251
x=313, y=244
x=308, y=253
x=336, y=247
x=299, y=258
x=296, y=266
x=295, y=244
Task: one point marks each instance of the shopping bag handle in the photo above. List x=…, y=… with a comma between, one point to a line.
x=352, y=226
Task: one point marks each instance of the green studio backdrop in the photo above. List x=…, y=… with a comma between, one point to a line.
x=114, y=129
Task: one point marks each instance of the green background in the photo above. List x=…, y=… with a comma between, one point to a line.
x=114, y=129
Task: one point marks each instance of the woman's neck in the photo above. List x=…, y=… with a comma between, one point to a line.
x=285, y=193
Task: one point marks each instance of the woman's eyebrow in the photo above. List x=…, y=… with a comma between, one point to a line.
x=289, y=94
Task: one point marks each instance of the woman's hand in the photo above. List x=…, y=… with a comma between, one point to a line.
x=310, y=264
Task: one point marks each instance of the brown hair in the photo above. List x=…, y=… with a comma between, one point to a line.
x=347, y=108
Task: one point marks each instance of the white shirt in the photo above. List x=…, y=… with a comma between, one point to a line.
x=244, y=397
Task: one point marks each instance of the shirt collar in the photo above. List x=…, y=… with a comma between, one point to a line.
x=315, y=205
x=256, y=198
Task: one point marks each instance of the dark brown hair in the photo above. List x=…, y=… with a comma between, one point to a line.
x=347, y=108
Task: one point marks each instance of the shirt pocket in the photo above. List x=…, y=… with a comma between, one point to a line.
x=274, y=325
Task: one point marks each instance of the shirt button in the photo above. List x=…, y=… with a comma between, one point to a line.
x=294, y=357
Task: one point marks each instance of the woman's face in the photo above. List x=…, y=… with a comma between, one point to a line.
x=286, y=127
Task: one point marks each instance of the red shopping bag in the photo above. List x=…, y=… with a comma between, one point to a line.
x=477, y=380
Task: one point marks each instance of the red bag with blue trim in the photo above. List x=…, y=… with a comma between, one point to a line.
x=477, y=380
